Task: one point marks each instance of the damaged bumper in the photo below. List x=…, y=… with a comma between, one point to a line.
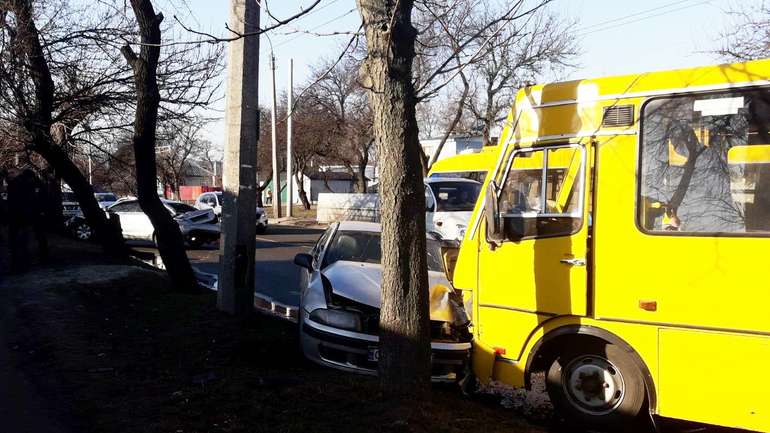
x=358, y=352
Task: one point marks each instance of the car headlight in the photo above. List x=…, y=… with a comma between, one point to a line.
x=337, y=318
x=461, y=230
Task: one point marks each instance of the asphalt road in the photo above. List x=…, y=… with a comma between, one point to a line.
x=276, y=275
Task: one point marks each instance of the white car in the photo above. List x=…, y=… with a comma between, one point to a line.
x=197, y=226
x=340, y=304
x=214, y=200
x=449, y=203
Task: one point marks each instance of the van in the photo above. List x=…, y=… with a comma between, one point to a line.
x=621, y=243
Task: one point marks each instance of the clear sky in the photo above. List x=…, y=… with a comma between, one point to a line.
x=616, y=36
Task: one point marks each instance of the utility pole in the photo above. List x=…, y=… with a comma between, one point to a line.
x=276, y=170
x=235, y=293
x=290, y=105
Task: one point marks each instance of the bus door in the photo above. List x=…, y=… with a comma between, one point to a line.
x=536, y=269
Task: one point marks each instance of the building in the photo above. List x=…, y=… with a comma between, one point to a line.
x=457, y=144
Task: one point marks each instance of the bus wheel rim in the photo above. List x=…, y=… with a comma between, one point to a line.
x=593, y=385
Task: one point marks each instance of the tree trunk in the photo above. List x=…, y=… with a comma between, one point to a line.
x=301, y=190
x=405, y=353
x=261, y=188
x=38, y=123
x=168, y=236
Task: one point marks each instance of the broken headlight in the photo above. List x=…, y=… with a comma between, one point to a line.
x=341, y=319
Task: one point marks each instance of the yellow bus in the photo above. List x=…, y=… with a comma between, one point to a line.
x=466, y=165
x=621, y=245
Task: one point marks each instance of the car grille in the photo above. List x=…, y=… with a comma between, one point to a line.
x=370, y=322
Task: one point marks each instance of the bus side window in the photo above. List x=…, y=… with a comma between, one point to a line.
x=541, y=195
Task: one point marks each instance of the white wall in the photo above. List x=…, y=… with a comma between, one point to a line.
x=348, y=207
x=452, y=147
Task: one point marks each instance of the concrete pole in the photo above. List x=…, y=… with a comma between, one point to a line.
x=289, y=177
x=236, y=276
x=276, y=169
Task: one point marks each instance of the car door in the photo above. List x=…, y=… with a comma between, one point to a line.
x=538, y=271
x=128, y=212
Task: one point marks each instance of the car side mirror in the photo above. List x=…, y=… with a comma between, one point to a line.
x=304, y=260
x=492, y=214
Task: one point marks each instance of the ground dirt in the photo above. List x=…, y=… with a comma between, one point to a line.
x=113, y=350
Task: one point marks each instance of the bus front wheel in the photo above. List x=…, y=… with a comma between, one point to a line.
x=596, y=385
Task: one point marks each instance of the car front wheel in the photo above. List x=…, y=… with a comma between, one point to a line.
x=83, y=231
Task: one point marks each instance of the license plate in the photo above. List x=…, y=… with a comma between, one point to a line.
x=373, y=354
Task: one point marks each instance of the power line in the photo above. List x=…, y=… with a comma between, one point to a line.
x=635, y=14
x=316, y=27
x=626, y=20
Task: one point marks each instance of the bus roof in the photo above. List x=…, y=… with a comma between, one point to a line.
x=467, y=162
x=570, y=109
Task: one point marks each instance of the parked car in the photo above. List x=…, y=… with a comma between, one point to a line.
x=198, y=226
x=213, y=200
x=70, y=205
x=449, y=203
x=340, y=304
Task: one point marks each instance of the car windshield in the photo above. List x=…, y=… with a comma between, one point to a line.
x=105, y=197
x=180, y=208
x=455, y=196
x=364, y=247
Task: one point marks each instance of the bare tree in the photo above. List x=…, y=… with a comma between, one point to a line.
x=180, y=149
x=30, y=100
x=313, y=140
x=404, y=317
x=168, y=236
x=68, y=89
x=748, y=35
x=513, y=55
x=334, y=87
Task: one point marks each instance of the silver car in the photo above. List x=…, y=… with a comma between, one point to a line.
x=340, y=304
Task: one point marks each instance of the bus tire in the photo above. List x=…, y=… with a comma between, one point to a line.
x=596, y=385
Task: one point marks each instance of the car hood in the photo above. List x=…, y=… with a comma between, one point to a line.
x=360, y=282
x=202, y=216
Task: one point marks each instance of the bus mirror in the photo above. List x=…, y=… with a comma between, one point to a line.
x=492, y=212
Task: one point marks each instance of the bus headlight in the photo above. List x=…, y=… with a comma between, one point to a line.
x=337, y=318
